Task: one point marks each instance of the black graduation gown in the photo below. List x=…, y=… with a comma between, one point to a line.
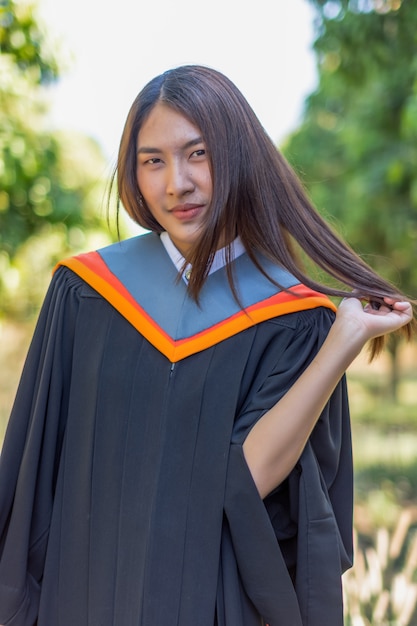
x=125, y=499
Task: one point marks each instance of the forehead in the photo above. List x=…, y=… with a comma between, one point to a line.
x=165, y=126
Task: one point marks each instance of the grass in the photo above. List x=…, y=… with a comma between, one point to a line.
x=381, y=588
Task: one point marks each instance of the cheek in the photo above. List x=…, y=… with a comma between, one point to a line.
x=207, y=181
x=144, y=185
x=139, y=178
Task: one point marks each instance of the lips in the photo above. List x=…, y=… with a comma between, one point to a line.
x=187, y=211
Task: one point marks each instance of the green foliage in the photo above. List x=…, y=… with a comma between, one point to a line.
x=23, y=41
x=358, y=141
x=60, y=216
x=51, y=184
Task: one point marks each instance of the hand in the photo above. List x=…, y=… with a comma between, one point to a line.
x=367, y=322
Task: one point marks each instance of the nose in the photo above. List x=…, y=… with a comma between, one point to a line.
x=179, y=181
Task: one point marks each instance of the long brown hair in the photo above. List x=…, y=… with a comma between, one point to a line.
x=256, y=193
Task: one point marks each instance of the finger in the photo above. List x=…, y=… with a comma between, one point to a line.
x=402, y=305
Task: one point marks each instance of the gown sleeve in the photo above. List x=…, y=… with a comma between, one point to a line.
x=292, y=548
x=29, y=458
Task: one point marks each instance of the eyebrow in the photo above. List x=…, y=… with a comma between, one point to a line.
x=188, y=144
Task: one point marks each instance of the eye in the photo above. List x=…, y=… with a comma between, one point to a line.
x=153, y=161
x=199, y=153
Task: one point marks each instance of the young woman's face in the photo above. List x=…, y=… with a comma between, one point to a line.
x=173, y=174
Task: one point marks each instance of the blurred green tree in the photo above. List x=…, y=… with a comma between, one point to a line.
x=51, y=184
x=356, y=148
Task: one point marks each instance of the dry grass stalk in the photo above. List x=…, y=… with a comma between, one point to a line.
x=381, y=588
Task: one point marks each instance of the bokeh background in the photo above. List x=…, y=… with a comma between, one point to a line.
x=334, y=82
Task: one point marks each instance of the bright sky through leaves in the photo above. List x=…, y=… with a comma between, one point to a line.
x=264, y=47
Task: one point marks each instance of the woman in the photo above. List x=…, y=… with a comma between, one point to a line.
x=179, y=448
